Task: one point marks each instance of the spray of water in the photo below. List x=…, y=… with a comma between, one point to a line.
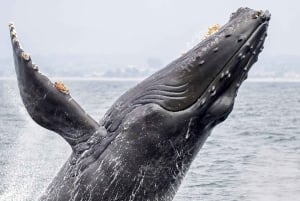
x=29, y=166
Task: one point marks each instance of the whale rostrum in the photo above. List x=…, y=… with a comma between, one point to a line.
x=145, y=143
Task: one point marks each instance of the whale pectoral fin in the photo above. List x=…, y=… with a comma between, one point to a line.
x=50, y=105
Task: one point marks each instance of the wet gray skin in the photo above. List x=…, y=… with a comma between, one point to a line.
x=144, y=145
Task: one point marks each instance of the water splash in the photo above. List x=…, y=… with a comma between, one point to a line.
x=27, y=170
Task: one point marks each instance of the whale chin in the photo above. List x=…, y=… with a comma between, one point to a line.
x=147, y=140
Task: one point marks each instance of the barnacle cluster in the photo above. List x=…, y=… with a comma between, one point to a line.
x=60, y=86
x=213, y=29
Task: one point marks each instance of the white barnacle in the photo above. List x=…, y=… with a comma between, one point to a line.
x=212, y=30
x=14, y=33
x=10, y=25
x=60, y=86
x=35, y=67
x=203, y=101
x=25, y=56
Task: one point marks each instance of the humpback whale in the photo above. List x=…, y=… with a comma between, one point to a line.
x=145, y=143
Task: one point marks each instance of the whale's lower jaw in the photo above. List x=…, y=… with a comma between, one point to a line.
x=145, y=143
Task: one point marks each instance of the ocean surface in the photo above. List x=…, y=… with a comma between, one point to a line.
x=253, y=155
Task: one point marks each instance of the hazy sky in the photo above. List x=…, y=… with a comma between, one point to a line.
x=133, y=30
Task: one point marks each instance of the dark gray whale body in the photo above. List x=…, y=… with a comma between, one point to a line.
x=144, y=145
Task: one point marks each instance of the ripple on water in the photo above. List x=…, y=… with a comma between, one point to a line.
x=253, y=155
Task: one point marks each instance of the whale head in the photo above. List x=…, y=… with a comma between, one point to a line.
x=204, y=81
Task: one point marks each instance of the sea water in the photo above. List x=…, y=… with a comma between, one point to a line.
x=253, y=155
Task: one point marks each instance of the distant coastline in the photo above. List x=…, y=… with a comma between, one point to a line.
x=136, y=79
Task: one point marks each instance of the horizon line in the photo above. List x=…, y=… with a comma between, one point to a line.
x=264, y=79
